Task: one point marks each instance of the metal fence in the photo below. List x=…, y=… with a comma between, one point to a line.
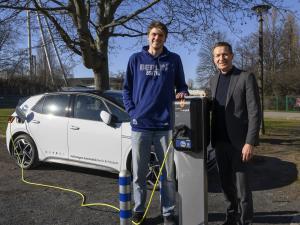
x=282, y=103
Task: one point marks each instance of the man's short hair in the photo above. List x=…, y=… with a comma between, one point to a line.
x=159, y=25
x=223, y=44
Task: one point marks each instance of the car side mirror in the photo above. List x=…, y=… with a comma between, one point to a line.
x=21, y=114
x=106, y=117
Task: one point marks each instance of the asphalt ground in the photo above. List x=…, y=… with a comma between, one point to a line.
x=275, y=182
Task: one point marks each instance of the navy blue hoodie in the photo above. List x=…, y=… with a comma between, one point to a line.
x=149, y=89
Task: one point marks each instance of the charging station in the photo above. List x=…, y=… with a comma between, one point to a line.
x=190, y=140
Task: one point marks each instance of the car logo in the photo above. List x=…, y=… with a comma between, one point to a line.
x=183, y=144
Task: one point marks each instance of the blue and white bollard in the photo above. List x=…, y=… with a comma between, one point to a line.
x=125, y=197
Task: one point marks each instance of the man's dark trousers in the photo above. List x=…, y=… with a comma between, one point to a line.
x=234, y=181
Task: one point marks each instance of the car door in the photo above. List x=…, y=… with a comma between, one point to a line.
x=49, y=125
x=90, y=139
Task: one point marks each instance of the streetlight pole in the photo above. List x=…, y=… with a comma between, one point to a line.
x=259, y=10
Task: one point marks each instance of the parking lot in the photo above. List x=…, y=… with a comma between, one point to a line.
x=275, y=181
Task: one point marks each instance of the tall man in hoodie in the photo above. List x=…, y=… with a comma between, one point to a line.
x=151, y=77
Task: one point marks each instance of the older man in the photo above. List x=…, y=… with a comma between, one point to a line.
x=236, y=117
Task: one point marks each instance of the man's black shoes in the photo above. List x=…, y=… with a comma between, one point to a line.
x=169, y=220
x=230, y=222
x=137, y=217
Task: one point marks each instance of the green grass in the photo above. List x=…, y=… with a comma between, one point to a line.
x=4, y=114
x=282, y=127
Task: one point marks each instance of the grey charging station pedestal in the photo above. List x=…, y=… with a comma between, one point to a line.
x=190, y=158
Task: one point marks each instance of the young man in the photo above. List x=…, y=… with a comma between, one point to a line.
x=236, y=117
x=151, y=77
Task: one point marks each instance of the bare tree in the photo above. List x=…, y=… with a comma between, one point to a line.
x=53, y=78
x=87, y=26
x=7, y=41
x=281, y=54
x=290, y=42
x=286, y=78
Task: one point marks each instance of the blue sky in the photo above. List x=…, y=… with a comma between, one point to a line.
x=189, y=53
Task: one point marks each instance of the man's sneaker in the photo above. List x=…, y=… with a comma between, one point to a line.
x=169, y=220
x=137, y=217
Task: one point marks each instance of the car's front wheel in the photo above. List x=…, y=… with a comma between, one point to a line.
x=153, y=170
x=25, y=152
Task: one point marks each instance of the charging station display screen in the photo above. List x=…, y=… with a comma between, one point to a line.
x=191, y=130
x=183, y=143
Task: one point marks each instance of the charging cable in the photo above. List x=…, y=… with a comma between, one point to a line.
x=83, y=198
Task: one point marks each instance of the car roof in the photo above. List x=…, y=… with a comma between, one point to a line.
x=79, y=89
x=87, y=90
x=108, y=94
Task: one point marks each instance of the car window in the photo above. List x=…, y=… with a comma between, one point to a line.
x=88, y=107
x=117, y=96
x=119, y=114
x=56, y=105
x=38, y=106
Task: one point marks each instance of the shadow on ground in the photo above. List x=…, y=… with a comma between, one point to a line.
x=266, y=173
x=281, y=141
x=277, y=217
x=75, y=169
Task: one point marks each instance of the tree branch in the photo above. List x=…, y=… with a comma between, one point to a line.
x=124, y=19
x=64, y=35
x=58, y=3
x=34, y=9
x=127, y=35
x=129, y=28
x=137, y=35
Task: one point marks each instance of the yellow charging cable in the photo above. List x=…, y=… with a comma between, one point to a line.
x=83, y=204
x=56, y=187
x=156, y=182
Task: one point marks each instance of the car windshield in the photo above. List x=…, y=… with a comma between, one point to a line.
x=117, y=95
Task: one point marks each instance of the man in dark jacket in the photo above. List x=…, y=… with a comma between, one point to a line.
x=236, y=117
x=151, y=77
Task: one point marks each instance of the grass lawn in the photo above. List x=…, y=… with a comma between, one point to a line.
x=282, y=127
x=4, y=114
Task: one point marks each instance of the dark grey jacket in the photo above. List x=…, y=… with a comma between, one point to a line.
x=242, y=109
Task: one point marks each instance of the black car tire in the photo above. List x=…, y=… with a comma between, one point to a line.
x=25, y=152
x=153, y=170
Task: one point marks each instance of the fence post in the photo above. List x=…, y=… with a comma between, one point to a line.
x=125, y=197
x=286, y=103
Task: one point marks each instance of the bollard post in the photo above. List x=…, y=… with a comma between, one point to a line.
x=125, y=197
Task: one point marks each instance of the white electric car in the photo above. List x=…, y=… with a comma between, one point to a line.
x=84, y=128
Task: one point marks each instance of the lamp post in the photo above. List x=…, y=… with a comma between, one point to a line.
x=259, y=10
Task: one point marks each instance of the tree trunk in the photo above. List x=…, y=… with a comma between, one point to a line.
x=101, y=71
x=101, y=75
